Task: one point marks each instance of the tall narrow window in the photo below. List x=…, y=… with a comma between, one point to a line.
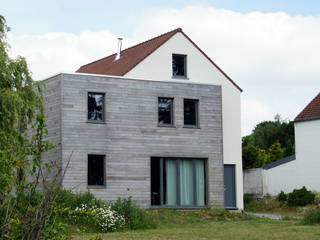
x=96, y=170
x=178, y=182
x=191, y=112
x=165, y=111
x=96, y=107
x=179, y=65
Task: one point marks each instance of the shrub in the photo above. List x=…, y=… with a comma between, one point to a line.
x=135, y=217
x=317, y=198
x=248, y=198
x=313, y=217
x=300, y=197
x=282, y=197
x=69, y=199
x=102, y=219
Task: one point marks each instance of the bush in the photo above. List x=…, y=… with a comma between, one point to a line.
x=69, y=199
x=248, y=198
x=317, y=198
x=313, y=217
x=102, y=219
x=282, y=197
x=135, y=217
x=300, y=197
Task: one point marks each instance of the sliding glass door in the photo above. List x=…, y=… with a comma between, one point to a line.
x=178, y=182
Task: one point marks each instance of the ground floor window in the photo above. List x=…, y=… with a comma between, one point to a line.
x=178, y=182
x=96, y=170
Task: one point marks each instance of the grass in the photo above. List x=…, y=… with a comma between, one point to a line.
x=213, y=224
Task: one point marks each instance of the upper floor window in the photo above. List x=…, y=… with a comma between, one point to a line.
x=96, y=107
x=179, y=65
x=165, y=111
x=191, y=112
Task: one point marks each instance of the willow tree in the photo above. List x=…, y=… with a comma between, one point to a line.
x=25, y=213
x=20, y=102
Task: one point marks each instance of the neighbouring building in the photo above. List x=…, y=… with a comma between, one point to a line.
x=296, y=171
x=159, y=122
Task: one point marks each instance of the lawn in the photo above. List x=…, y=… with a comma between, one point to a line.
x=187, y=227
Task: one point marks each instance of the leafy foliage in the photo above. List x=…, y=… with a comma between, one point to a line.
x=300, y=197
x=135, y=217
x=282, y=197
x=269, y=141
x=313, y=217
x=24, y=212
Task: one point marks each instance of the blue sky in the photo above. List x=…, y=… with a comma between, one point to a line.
x=41, y=16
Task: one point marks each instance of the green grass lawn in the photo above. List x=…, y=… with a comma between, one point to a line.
x=187, y=226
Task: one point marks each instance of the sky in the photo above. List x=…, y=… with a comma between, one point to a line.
x=270, y=48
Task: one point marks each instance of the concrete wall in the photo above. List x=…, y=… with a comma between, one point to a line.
x=158, y=66
x=131, y=136
x=253, y=181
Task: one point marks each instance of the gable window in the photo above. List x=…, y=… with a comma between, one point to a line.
x=96, y=107
x=179, y=65
x=191, y=112
x=165, y=111
x=96, y=170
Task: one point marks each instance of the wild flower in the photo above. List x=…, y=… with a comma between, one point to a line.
x=103, y=218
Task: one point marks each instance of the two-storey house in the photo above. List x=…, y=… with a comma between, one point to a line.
x=159, y=122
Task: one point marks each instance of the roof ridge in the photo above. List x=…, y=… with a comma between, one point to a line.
x=161, y=35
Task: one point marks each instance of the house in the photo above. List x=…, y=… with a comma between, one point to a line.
x=159, y=122
x=296, y=171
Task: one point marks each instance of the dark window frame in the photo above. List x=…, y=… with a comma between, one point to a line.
x=185, y=76
x=172, y=124
x=162, y=193
x=197, y=113
x=104, y=171
x=103, y=107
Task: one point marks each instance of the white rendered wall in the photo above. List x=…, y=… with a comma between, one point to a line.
x=305, y=170
x=158, y=66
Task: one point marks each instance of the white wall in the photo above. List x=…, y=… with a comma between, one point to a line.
x=158, y=66
x=305, y=170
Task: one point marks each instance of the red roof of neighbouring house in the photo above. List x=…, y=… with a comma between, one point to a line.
x=311, y=111
x=132, y=56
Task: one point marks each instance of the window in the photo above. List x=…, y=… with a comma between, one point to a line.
x=179, y=65
x=96, y=107
x=191, y=114
x=96, y=170
x=165, y=111
x=178, y=182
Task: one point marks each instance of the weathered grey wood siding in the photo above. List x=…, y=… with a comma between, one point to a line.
x=130, y=135
x=52, y=100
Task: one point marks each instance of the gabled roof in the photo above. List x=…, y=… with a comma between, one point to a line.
x=311, y=111
x=132, y=56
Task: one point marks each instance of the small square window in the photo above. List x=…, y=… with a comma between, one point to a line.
x=96, y=107
x=179, y=65
x=165, y=111
x=96, y=170
x=191, y=114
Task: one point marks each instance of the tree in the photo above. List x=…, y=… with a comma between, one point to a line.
x=269, y=141
x=20, y=101
x=25, y=213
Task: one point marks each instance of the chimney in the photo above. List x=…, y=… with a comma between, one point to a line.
x=119, y=49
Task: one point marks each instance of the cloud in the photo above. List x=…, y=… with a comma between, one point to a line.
x=254, y=112
x=272, y=56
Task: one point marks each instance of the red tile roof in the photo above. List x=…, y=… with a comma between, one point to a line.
x=132, y=56
x=311, y=111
